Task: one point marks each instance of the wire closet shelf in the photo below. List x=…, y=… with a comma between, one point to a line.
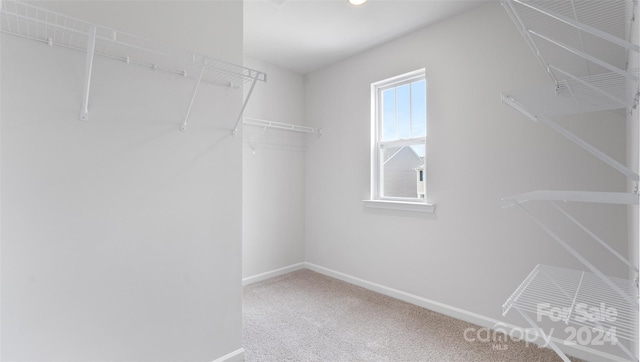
x=573, y=291
x=584, y=46
x=589, y=37
x=39, y=24
x=249, y=121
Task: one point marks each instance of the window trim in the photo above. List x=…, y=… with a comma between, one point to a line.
x=377, y=201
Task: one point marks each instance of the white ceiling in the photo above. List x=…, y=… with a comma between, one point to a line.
x=306, y=35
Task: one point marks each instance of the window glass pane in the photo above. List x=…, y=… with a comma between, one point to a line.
x=418, y=108
x=389, y=114
x=403, y=111
x=400, y=172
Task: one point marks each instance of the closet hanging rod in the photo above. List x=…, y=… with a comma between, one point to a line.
x=278, y=125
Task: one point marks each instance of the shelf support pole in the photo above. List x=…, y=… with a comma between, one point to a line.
x=244, y=104
x=91, y=45
x=183, y=127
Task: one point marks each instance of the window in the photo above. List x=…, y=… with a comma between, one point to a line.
x=399, y=135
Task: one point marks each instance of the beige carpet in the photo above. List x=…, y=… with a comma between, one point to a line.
x=306, y=316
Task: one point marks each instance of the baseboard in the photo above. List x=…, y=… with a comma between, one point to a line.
x=578, y=351
x=272, y=273
x=235, y=356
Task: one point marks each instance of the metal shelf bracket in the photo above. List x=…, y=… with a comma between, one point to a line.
x=91, y=44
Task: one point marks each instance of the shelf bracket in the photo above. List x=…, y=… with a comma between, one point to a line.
x=589, y=148
x=595, y=237
x=91, y=45
x=254, y=80
x=183, y=126
x=573, y=138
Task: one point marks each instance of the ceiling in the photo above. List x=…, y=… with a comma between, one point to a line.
x=306, y=35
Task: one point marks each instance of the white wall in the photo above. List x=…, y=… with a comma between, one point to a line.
x=470, y=253
x=633, y=152
x=121, y=236
x=633, y=162
x=273, y=174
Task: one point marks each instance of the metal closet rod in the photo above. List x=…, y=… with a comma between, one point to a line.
x=279, y=125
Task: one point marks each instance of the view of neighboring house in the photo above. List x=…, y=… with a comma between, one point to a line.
x=403, y=171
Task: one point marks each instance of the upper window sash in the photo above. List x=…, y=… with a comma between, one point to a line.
x=395, y=81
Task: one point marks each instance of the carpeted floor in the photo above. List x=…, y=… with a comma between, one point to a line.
x=306, y=316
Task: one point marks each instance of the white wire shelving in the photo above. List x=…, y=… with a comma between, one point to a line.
x=584, y=46
x=590, y=37
x=607, y=91
x=39, y=24
x=574, y=297
x=249, y=121
x=624, y=198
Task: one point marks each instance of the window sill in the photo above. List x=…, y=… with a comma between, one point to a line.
x=399, y=205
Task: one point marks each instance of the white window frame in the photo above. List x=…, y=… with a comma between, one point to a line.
x=377, y=200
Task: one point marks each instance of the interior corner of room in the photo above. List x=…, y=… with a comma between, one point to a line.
x=154, y=167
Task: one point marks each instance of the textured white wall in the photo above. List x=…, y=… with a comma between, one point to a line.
x=121, y=236
x=470, y=254
x=273, y=175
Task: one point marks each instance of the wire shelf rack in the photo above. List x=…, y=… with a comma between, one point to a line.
x=281, y=126
x=32, y=22
x=575, y=95
x=622, y=198
x=591, y=36
x=584, y=46
x=576, y=293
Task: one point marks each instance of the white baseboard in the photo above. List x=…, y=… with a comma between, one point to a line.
x=578, y=351
x=272, y=273
x=235, y=356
